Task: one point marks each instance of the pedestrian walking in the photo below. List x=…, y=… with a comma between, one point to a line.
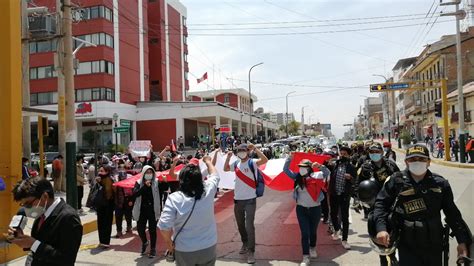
x=440, y=146
x=377, y=170
x=455, y=149
x=470, y=149
x=341, y=186
x=91, y=175
x=57, y=230
x=57, y=168
x=105, y=205
x=146, y=209
x=123, y=204
x=308, y=195
x=80, y=181
x=25, y=173
x=414, y=199
x=389, y=153
x=245, y=196
x=188, y=223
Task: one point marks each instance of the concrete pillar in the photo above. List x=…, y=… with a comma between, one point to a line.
x=179, y=128
x=247, y=129
x=218, y=121
x=80, y=131
x=239, y=128
x=229, y=121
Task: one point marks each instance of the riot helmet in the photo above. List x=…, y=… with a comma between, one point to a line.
x=368, y=190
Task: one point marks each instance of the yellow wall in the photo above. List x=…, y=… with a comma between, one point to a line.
x=10, y=115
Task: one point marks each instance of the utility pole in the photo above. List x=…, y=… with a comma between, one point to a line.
x=459, y=14
x=250, y=99
x=59, y=67
x=71, y=132
x=25, y=78
x=286, y=116
x=302, y=119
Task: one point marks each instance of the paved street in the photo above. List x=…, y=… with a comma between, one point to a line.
x=277, y=232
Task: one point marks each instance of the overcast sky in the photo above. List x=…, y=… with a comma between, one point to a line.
x=336, y=58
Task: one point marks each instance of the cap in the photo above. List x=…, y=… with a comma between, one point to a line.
x=305, y=163
x=375, y=147
x=194, y=161
x=417, y=150
x=387, y=144
x=242, y=147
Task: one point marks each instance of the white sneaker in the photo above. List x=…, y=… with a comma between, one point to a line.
x=312, y=253
x=346, y=245
x=251, y=257
x=306, y=261
x=336, y=235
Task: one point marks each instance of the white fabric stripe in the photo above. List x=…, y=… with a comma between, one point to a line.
x=265, y=211
x=291, y=219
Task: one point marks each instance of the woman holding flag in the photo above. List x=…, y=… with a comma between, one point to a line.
x=307, y=193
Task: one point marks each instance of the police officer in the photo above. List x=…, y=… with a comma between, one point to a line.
x=377, y=169
x=417, y=196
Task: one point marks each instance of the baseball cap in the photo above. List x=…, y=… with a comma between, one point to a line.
x=194, y=161
x=417, y=150
x=305, y=163
x=242, y=147
x=375, y=147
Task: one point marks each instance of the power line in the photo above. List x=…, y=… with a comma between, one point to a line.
x=312, y=93
x=299, y=22
x=308, y=32
x=298, y=85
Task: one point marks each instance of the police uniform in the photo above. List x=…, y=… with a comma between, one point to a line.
x=371, y=170
x=417, y=214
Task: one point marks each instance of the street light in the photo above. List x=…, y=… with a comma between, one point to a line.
x=388, y=108
x=286, y=118
x=115, y=118
x=250, y=98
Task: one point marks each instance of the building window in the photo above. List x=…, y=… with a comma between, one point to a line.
x=43, y=98
x=95, y=94
x=185, y=57
x=95, y=12
x=154, y=41
x=101, y=66
x=42, y=72
x=42, y=46
x=95, y=38
x=226, y=98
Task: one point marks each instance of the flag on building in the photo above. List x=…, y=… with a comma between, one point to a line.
x=203, y=78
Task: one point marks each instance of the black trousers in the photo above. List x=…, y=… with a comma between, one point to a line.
x=80, y=195
x=120, y=213
x=147, y=216
x=340, y=204
x=409, y=256
x=105, y=217
x=325, y=207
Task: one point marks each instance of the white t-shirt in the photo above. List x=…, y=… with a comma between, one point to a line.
x=242, y=191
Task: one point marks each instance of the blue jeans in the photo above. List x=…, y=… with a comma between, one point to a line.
x=308, y=219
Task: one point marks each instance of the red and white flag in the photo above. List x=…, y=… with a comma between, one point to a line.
x=203, y=78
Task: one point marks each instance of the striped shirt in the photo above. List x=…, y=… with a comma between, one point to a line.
x=340, y=179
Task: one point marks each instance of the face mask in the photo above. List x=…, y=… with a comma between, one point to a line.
x=36, y=211
x=242, y=155
x=103, y=175
x=417, y=168
x=149, y=176
x=375, y=157
x=334, y=150
x=304, y=171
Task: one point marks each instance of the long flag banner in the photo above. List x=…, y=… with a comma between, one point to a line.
x=272, y=172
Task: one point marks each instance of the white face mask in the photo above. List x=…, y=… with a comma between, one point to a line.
x=242, y=155
x=148, y=176
x=304, y=171
x=35, y=211
x=418, y=168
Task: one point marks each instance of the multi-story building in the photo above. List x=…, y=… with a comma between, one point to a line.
x=437, y=60
x=372, y=112
x=279, y=118
x=399, y=70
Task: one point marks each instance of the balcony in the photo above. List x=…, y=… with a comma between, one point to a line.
x=467, y=117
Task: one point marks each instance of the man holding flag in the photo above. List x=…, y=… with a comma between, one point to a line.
x=245, y=194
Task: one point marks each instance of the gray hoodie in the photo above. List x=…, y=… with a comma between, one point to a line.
x=156, y=195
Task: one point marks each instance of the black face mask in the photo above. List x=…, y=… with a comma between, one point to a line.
x=103, y=176
x=344, y=159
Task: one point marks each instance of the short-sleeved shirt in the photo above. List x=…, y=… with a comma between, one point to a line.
x=201, y=231
x=242, y=191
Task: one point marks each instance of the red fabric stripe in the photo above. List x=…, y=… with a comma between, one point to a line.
x=247, y=180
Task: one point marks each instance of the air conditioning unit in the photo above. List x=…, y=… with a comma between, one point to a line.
x=42, y=26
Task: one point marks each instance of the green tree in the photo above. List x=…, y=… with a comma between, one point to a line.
x=89, y=137
x=293, y=127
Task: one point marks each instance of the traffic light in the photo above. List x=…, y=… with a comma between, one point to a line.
x=378, y=87
x=217, y=131
x=44, y=126
x=438, y=110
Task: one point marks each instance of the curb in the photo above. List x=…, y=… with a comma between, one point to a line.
x=444, y=163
